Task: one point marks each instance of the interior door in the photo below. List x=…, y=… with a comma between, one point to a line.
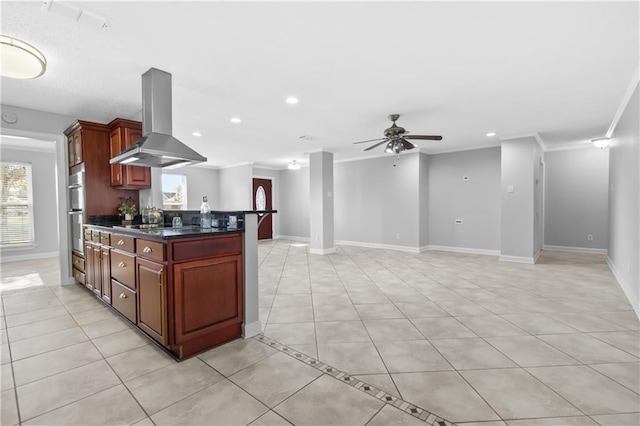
x=262, y=201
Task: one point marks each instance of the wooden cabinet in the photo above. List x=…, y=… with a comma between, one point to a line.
x=152, y=299
x=207, y=296
x=185, y=293
x=106, y=273
x=75, y=148
x=89, y=264
x=122, y=134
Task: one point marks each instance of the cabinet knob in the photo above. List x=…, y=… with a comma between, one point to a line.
x=75, y=262
x=121, y=242
x=122, y=296
x=121, y=264
x=147, y=249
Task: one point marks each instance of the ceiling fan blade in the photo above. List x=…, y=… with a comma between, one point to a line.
x=424, y=137
x=377, y=144
x=371, y=140
x=406, y=144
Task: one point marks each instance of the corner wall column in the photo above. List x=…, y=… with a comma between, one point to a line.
x=251, y=325
x=321, y=203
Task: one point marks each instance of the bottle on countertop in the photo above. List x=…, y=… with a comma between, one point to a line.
x=205, y=214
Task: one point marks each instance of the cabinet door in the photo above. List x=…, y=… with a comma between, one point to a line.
x=97, y=270
x=77, y=147
x=152, y=300
x=115, y=148
x=72, y=151
x=106, y=274
x=89, y=265
x=207, y=296
x=136, y=176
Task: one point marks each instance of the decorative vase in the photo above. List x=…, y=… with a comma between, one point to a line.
x=128, y=217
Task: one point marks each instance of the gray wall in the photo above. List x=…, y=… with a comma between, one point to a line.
x=236, y=187
x=577, y=198
x=476, y=201
x=423, y=203
x=517, y=207
x=624, y=210
x=201, y=181
x=43, y=172
x=293, y=208
x=378, y=203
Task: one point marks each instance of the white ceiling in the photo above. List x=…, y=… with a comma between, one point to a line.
x=455, y=69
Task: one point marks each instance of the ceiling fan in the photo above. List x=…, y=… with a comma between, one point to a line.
x=396, y=138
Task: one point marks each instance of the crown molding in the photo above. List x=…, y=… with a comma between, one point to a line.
x=624, y=102
x=533, y=135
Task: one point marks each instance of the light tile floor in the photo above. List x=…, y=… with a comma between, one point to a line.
x=465, y=337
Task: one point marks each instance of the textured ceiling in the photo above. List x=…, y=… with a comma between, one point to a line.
x=455, y=69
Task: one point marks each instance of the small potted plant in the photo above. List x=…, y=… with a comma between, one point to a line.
x=128, y=209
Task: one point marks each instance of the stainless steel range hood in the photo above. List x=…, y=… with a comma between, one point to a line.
x=157, y=148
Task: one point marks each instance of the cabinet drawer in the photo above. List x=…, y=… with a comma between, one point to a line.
x=95, y=236
x=123, y=242
x=77, y=262
x=87, y=234
x=78, y=275
x=150, y=249
x=105, y=238
x=123, y=268
x=124, y=300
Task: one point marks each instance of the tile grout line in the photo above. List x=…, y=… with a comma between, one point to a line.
x=411, y=409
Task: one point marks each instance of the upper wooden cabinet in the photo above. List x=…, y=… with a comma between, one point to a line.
x=75, y=147
x=89, y=150
x=123, y=133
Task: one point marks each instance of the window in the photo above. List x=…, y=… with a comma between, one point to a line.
x=174, y=192
x=16, y=204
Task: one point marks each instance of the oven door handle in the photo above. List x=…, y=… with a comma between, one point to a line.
x=75, y=211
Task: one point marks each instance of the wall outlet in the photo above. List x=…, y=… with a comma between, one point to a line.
x=509, y=188
x=458, y=221
x=397, y=236
x=589, y=237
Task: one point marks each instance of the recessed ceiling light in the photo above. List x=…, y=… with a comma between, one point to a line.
x=235, y=120
x=197, y=134
x=491, y=134
x=291, y=100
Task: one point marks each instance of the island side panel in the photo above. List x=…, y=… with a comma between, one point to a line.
x=251, y=326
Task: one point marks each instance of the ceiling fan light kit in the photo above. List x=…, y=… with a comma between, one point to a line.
x=19, y=59
x=396, y=138
x=601, y=142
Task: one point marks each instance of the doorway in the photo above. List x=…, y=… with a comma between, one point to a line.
x=263, y=200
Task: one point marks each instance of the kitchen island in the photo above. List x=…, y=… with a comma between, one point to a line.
x=188, y=289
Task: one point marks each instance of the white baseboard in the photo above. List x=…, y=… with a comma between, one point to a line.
x=32, y=256
x=322, y=251
x=378, y=246
x=465, y=250
x=626, y=288
x=518, y=259
x=251, y=329
x=535, y=258
x=576, y=249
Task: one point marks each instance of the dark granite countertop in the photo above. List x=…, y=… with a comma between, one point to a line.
x=166, y=233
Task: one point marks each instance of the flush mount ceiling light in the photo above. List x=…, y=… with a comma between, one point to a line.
x=196, y=134
x=294, y=165
x=292, y=100
x=235, y=120
x=19, y=59
x=491, y=134
x=601, y=142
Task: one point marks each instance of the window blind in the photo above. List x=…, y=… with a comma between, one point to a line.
x=16, y=204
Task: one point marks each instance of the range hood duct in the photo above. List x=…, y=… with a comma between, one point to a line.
x=157, y=148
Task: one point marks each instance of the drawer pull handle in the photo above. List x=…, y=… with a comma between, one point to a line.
x=121, y=264
x=121, y=242
x=122, y=296
x=160, y=275
x=147, y=249
x=75, y=262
